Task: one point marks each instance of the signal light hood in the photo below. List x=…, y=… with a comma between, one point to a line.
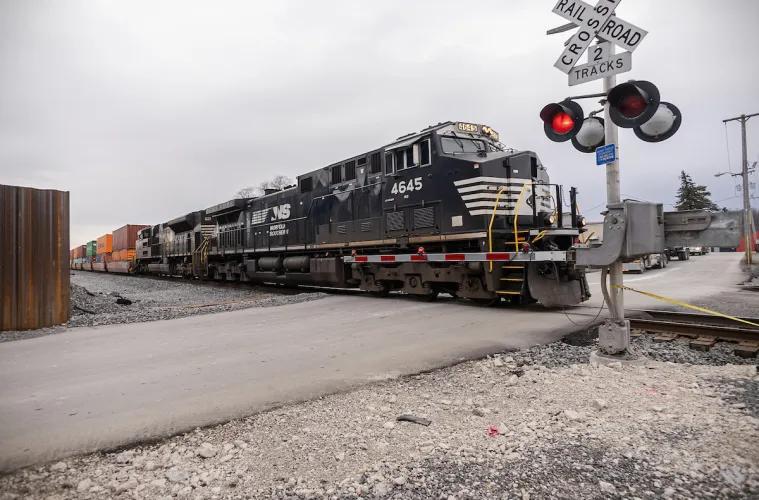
x=633, y=103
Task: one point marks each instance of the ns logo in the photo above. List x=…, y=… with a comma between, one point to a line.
x=281, y=212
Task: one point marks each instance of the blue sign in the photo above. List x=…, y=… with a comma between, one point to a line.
x=606, y=154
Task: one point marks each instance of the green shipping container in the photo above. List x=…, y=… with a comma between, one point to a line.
x=92, y=248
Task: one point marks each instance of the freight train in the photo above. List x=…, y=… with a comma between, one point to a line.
x=448, y=209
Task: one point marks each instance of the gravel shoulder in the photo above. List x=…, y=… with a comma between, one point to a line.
x=106, y=299
x=537, y=423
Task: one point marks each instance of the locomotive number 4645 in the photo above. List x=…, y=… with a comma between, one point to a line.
x=401, y=187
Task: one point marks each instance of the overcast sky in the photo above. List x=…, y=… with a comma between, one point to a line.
x=145, y=110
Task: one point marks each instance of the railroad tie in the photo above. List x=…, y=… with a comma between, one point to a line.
x=665, y=337
x=703, y=343
x=747, y=349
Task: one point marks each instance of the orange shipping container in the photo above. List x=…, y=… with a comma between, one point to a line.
x=105, y=244
x=124, y=238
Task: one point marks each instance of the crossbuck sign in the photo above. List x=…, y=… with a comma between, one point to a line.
x=600, y=22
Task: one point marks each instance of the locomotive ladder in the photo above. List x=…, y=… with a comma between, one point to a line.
x=511, y=281
x=511, y=275
x=200, y=257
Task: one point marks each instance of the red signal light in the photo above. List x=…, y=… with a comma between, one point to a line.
x=562, y=120
x=632, y=105
x=562, y=123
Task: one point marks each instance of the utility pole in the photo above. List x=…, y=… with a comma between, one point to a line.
x=747, y=215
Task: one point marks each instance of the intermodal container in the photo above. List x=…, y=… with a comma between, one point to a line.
x=92, y=248
x=126, y=255
x=80, y=252
x=105, y=244
x=124, y=238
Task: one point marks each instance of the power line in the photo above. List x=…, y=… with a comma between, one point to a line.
x=728, y=198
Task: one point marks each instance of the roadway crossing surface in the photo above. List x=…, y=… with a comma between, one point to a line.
x=103, y=387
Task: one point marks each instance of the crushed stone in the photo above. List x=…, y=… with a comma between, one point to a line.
x=683, y=425
x=106, y=299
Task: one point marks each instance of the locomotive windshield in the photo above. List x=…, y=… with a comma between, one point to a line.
x=453, y=144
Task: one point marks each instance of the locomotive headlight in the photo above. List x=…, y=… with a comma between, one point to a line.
x=550, y=219
x=581, y=222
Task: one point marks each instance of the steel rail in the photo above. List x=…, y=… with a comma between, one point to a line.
x=696, y=326
x=687, y=317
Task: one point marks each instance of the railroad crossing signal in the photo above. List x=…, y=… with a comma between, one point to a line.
x=635, y=104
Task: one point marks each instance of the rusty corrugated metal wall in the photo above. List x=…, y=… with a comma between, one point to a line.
x=34, y=257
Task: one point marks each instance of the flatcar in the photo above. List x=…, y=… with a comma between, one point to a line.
x=448, y=209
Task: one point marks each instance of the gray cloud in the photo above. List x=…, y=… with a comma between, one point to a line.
x=145, y=110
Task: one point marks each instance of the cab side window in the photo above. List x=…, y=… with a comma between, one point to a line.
x=306, y=184
x=375, y=161
x=350, y=170
x=337, y=174
x=424, y=153
x=389, y=163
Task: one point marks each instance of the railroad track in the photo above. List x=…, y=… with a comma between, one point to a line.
x=701, y=330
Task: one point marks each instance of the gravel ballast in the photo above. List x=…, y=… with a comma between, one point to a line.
x=538, y=423
x=106, y=299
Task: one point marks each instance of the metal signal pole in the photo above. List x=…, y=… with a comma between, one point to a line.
x=747, y=215
x=613, y=195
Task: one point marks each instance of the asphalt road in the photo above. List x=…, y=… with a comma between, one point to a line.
x=103, y=387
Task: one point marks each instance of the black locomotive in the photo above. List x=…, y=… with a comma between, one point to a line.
x=448, y=209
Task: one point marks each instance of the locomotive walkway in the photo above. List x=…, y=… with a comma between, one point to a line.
x=103, y=387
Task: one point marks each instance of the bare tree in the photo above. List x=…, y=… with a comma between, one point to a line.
x=246, y=192
x=278, y=182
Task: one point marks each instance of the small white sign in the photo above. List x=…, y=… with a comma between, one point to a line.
x=619, y=63
x=599, y=52
x=589, y=22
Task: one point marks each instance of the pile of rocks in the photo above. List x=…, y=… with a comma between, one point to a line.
x=105, y=299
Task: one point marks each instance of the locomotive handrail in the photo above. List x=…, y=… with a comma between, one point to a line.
x=492, y=219
x=516, y=214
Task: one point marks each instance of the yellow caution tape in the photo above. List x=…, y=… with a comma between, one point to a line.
x=684, y=304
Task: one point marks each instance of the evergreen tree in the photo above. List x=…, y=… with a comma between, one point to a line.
x=691, y=196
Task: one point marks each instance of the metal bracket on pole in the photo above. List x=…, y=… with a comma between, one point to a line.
x=587, y=96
